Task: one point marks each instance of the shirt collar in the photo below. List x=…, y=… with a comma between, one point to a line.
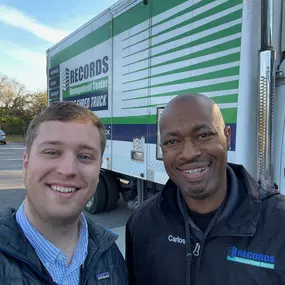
x=45, y=250
x=81, y=249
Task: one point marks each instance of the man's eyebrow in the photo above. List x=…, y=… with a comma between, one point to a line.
x=172, y=133
x=81, y=146
x=194, y=128
x=198, y=127
x=51, y=142
x=86, y=146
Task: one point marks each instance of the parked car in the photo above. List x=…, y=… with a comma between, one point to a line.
x=2, y=137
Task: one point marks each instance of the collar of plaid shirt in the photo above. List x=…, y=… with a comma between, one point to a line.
x=53, y=258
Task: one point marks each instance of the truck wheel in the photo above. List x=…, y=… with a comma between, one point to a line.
x=112, y=190
x=98, y=201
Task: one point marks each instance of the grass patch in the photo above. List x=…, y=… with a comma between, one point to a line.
x=15, y=139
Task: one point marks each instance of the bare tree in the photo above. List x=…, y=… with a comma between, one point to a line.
x=12, y=93
x=36, y=102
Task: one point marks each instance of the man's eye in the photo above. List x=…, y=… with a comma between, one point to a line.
x=85, y=157
x=51, y=153
x=170, y=142
x=205, y=135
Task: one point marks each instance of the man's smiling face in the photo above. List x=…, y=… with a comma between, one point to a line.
x=62, y=169
x=194, y=144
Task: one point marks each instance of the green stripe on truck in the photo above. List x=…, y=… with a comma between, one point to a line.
x=229, y=114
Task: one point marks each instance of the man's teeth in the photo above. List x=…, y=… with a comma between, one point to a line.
x=197, y=170
x=63, y=189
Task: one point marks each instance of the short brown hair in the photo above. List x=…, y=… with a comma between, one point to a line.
x=64, y=111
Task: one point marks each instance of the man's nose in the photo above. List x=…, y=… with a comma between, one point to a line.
x=189, y=150
x=68, y=165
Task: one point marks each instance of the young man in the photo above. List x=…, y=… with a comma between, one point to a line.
x=211, y=224
x=48, y=240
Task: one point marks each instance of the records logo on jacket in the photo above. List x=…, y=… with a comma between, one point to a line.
x=251, y=258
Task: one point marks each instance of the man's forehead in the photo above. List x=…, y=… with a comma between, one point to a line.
x=65, y=122
x=58, y=130
x=56, y=126
x=193, y=113
x=192, y=102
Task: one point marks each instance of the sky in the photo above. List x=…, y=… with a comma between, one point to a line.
x=29, y=27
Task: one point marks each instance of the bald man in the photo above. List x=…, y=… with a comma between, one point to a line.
x=211, y=224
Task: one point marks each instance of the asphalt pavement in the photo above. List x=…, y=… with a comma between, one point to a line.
x=12, y=192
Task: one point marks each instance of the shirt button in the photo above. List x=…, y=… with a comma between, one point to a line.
x=60, y=258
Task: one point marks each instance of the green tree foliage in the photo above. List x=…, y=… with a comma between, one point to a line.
x=17, y=106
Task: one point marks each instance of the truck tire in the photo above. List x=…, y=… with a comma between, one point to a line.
x=98, y=201
x=112, y=190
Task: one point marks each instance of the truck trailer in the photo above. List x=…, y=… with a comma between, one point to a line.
x=129, y=61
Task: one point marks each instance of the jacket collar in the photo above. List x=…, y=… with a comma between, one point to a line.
x=239, y=219
x=243, y=219
x=13, y=242
x=100, y=240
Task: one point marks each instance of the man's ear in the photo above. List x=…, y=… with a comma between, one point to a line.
x=25, y=162
x=228, y=136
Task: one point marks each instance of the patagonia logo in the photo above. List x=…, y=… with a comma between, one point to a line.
x=251, y=258
x=102, y=276
x=176, y=239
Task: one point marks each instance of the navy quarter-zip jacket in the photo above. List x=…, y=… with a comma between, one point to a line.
x=244, y=245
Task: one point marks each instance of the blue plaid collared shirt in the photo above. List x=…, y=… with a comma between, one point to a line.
x=54, y=259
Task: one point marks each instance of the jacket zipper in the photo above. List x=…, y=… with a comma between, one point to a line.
x=199, y=248
x=196, y=250
x=82, y=277
x=198, y=264
x=191, y=256
x=30, y=265
x=98, y=253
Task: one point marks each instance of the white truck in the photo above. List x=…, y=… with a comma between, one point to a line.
x=129, y=61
